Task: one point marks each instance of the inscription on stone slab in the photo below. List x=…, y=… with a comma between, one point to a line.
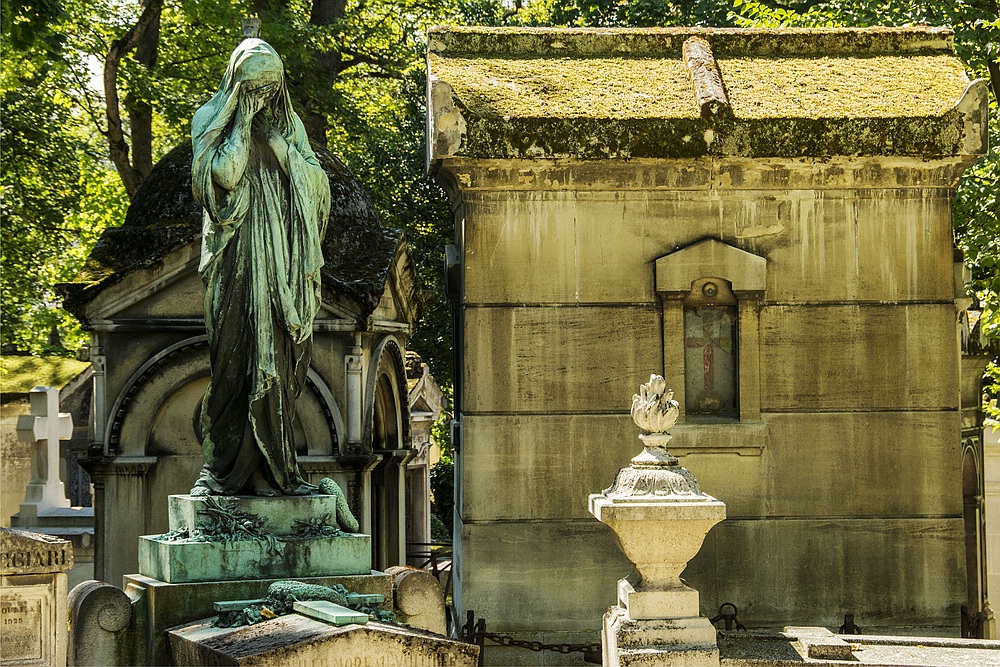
x=440, y=660
x=24, y=552
x=24, y=626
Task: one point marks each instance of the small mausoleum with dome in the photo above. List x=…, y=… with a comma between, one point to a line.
x=140, y=296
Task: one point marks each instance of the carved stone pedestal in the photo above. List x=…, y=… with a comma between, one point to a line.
x=660, y=518
x=668, y=642
x=233, y=538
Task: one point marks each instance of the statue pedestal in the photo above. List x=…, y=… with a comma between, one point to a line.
x=215, y=538
x=158, y=605
x=219, y=548
x=660, y=517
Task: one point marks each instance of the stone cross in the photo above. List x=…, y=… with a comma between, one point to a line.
x=45, y=427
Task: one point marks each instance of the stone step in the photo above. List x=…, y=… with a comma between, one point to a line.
x=183, y=561
x=277, y=515
x=58, y=517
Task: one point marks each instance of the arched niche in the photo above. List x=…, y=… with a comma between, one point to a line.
x=388, y=413
x=158, y=412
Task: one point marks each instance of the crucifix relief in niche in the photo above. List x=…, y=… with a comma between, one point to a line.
x=710, y=349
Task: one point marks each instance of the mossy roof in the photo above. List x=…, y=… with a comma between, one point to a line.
x=164, y=216
x=628, y=93
x=19, y=374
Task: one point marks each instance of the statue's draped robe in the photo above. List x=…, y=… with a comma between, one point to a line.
x=260, y=264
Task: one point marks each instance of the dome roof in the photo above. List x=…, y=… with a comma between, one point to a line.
x=165, y=216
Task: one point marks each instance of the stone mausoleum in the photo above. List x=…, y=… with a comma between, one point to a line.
x=764, y=218
x=141, y=297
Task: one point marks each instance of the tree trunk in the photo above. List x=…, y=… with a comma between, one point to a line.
x=144, y=34
x=139, y=111
x=324, y=12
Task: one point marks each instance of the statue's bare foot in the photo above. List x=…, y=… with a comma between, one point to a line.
x=261, y=487
x=200, y=491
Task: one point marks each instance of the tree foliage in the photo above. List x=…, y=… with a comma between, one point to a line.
x=356, y=71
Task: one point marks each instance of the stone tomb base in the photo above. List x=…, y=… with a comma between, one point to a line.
x=285, y=552
x=671, y=642
x=297, y=640
x=158, y=605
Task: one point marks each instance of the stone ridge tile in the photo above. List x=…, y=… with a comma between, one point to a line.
x=455, y=40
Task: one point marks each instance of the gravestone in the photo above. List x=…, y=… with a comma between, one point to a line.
x=33, y=590
x=298, y=640
x=45, y=427
x=45, y=507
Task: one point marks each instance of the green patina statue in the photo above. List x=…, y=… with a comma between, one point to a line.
x=266, y=202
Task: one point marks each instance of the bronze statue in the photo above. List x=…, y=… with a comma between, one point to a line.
x=267, y=202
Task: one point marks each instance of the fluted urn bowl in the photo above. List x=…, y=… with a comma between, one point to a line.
x=659, y=534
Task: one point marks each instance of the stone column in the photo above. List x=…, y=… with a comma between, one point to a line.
x=660, y=518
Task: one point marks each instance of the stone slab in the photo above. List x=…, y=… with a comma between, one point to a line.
x=855, y=465
x=854, y=356
x=296, y=640
x=502, y=567
x=787, y=649
x=328, y=612
x=235, y=605
x=292, y=558
x=26, y=625
x=680, y=642
x=278, y=515
x=887, y=571
x=571, y=457
x=26, y=552
x=598, y=247
x=162, y=605
x=681, y=603
x=585, y=358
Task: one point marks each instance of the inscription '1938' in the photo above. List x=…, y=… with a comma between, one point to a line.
x=21, y=623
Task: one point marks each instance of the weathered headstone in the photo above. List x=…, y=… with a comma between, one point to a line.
x=297, y=640
x=33, y=589
x=45, y=426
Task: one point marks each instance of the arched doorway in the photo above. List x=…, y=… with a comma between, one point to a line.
x=390, y=440
x=973, y=616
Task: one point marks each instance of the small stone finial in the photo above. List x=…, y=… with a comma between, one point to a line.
x=654, y=409
x=654, y=472
x=251, y=28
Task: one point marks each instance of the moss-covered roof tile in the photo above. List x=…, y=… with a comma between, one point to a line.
x=570, y=88
x=631, y=93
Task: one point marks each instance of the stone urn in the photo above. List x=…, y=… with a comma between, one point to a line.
x=658, y=513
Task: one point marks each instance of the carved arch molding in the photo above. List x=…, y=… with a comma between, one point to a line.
x=157, y=412
x=390, y=370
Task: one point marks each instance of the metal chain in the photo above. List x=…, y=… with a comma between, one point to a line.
x=507, y=640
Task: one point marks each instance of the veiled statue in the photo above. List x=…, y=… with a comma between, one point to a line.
x=267, y=201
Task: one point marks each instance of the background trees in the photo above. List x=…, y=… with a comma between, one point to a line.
x=95, y=91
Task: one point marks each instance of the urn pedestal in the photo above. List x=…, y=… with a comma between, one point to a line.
x=660, y=518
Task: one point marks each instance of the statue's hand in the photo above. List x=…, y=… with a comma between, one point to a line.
x=278, y=144
x=251, y=102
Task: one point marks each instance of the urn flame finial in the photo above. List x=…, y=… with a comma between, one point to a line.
x=654, y=409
